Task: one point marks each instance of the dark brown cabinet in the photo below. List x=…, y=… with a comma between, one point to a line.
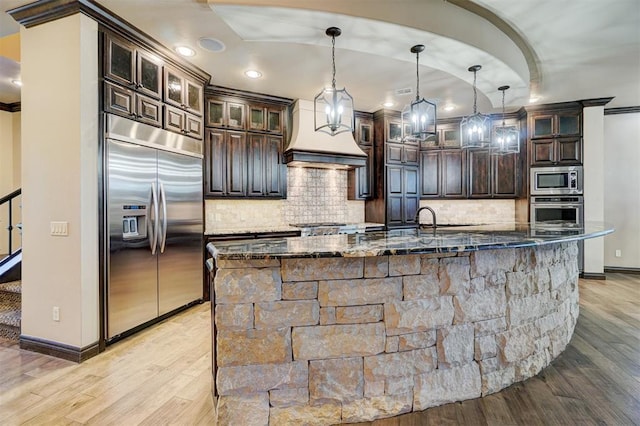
x=225, y=165
x=265, y=172
x=182, y=92
x=181, y=121
x=555, y=137
x=360, y=180
x=128, y=103
x=403, y=195
x=132, y=67
x=492, y=176
x=253, y=143
x=443, y=173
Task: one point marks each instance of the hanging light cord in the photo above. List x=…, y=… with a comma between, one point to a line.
x=503, y=107
x=333, y=59
x=475, y=93
x=417, y=77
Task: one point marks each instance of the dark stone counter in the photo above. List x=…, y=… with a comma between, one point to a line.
x=409, y=241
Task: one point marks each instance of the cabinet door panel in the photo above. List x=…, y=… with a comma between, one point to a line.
x=119, y=100
x=236, y=163
x=411, y=154
x=569, y=150
x=394, y=180
x=411, y=188
x=256, y=171
x=568, y=123
x=542, y=126
x=257, y=118
x=149, y=110
x=394, y=153
x=215, y=113
x=273, y=167
x=174, y=88
x=430, y=169
x=120, y=61
x=542, y=152
x=394, y=210
x=453, y=174
x=193, y=125
x=479, y=173
x=215, y=164
x=193, y=97
x=274, y=120
x=235, y=115
x=149, y=75
x=173, y=119
x=505, y=175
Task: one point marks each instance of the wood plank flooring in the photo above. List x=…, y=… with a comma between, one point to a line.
x=163, y=376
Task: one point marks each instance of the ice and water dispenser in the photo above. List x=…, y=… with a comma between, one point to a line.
x=134, y=222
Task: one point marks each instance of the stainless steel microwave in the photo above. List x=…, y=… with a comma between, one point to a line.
x=565, y=180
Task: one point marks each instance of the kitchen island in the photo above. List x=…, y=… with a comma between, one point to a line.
x=347, y=328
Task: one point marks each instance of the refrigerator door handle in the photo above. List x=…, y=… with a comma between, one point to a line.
x=153, y=239
x=163, y=197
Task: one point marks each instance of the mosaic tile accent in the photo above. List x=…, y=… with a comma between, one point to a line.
x=316, y=195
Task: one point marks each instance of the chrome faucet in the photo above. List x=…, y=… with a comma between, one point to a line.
x=433, y=216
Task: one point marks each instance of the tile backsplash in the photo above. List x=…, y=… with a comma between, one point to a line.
x=316, y=195
x=461, y=212
x=313, y=195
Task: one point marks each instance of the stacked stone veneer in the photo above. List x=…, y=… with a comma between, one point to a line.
x=331, y=340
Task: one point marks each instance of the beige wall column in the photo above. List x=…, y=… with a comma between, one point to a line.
x=60, y=180
x=594, y=152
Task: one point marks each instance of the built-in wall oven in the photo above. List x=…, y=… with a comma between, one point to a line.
x=557, y=209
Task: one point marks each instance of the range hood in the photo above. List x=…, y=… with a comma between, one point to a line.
x=309, y=148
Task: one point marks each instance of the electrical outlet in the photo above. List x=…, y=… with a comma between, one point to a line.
x=56, y=313
x=618, y=253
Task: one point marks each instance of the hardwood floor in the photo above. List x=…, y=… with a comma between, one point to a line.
x=163, y=376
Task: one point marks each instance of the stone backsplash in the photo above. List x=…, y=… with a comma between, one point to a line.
x=313, y=195
x=462, y=212
x=322, y=341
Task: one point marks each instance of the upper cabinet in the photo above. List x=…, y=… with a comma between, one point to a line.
x=555, y=137
x=244, y=144
x=360, y=180
x=142, y=85
x=181, y=91
x=132, y=67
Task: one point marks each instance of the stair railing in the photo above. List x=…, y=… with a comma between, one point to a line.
x=10, y=199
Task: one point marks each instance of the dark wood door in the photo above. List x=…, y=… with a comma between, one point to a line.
x=274, y=169
x=569, y=150
x=148, y=74
x=174, y=88
x=568, y=123
x=215, y=164
x=479, y=173
x=120, y=61
x=256, y=165
x=411, y=189
x=119, y=100
x=430, y=172
x=410, y=155
x=236, y=163
x=360, y=180
x=394, y=153
x=193, y=125
x=149, y=110
x=453, y=174
x=542, y=152
x=505, y=175
x=193, y=97
x=395, y=195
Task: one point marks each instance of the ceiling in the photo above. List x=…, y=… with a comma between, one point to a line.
x=555, y=50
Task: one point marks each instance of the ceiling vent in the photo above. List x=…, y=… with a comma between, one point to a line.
x=405, y=91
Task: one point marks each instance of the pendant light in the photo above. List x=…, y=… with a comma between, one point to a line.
x=419, y=118
x=333, y=108
x=506, y=139
x=474, y=129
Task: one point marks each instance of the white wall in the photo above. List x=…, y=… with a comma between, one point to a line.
x=60, y=180
x=622, y=189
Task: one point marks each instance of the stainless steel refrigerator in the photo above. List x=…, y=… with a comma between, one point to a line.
x=154, y=223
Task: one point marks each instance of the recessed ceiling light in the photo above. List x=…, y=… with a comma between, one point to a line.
x=387, y=104
x=211, y=44
x=253, y=74
x=17, y=82
x=185, y=51
x=449, y=107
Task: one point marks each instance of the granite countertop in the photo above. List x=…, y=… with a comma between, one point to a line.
x=292, y=228
x=407, y=241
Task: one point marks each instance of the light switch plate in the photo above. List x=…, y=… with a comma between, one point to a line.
x=59, y=229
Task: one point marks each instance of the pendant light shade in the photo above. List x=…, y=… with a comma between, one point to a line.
x=333, y=108
x=419, y=117
x=475, y=128
x=506, y=139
